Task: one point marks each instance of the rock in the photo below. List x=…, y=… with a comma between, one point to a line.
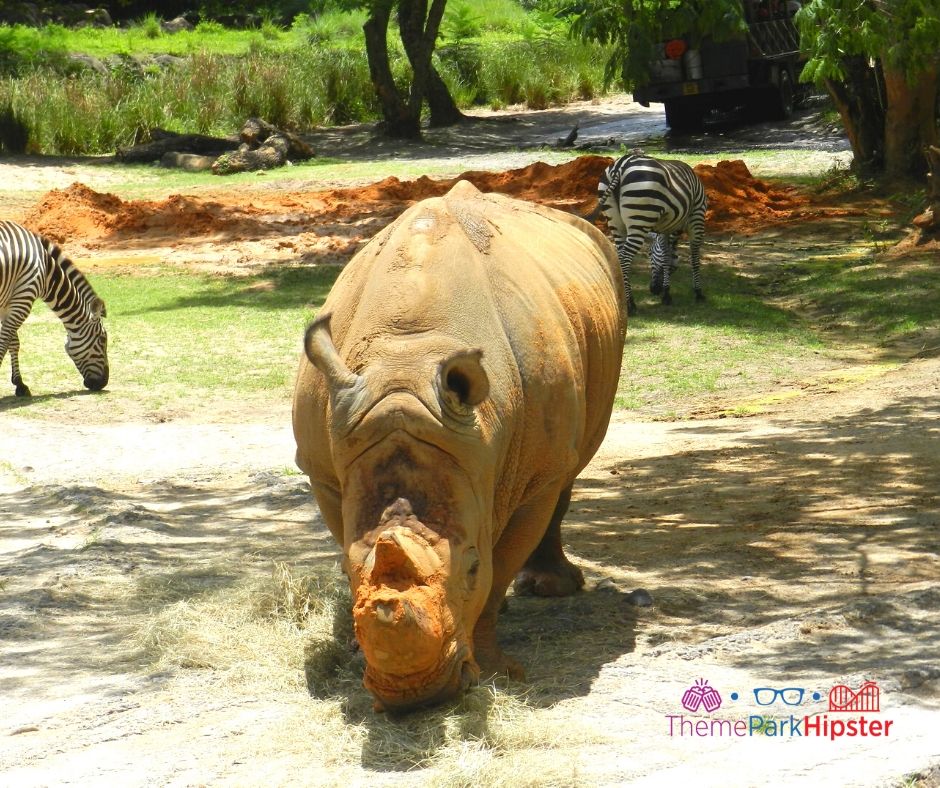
x=96, y=17
x=606, y=585
x=78, y=62
x=176, y=25
x=167, y=62
x=20, y=14
x=640, y=597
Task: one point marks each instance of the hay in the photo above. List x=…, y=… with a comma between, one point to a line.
x=253, y=633
x=288, y=637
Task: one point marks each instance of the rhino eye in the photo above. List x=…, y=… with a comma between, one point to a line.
x=472, y=573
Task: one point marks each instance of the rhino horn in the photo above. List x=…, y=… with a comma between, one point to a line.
x=319, y=347
x=401, y=554
x=462, y=379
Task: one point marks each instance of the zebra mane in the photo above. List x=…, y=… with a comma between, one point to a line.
x=67, y=283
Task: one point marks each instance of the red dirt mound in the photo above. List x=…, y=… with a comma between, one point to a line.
x=738, y=202
x=79, y=213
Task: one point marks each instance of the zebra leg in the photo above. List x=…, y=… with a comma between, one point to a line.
x=9, y=340
x=22, y=390
x=657, y=257
x=696, y=232
x=668, y=264
x=626, y=251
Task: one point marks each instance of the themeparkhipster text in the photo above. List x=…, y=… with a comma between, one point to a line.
x=842, y=700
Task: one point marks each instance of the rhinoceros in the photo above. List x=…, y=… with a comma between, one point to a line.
x=458, y=378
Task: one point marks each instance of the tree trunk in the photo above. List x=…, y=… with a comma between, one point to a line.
x=273, y=153
x=929, y=220
x=444, y=110
x=910, y=120
x=859, y=101
x=419, y=46
x=419, y=27
x=401, y=119
x=166, y=141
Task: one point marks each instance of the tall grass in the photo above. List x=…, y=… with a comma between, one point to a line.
x=211, y=94
x=536, y=71
x=316, y=72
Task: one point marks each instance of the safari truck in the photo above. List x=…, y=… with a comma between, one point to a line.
x=693, y=75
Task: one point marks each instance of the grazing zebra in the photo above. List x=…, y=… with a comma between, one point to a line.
x=639, y=195
x=33, y=267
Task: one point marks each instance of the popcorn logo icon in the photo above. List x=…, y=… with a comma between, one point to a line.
x=701, y=694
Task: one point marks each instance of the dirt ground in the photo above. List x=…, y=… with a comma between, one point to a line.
x=796, y=548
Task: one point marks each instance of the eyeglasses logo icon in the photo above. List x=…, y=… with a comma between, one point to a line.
x=791, y=696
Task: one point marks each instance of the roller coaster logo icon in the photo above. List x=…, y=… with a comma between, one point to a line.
x=868, y=698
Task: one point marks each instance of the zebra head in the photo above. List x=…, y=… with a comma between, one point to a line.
x=87, y=345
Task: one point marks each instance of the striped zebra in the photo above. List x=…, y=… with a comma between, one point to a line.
x=640, y=195
x=33, y=267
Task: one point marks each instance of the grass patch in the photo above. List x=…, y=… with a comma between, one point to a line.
x=676, y=355
x=863, y=294
x=184, y=340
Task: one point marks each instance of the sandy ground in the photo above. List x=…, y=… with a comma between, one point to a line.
x=798, y=548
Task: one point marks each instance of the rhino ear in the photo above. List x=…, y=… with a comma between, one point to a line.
x=462, y=378
x=319, y=347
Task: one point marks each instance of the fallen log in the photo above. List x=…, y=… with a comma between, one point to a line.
x=191, y=162
x=277, y=149
x=273, y=153
x=162, y=141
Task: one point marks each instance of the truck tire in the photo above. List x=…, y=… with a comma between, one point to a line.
x=683, y=115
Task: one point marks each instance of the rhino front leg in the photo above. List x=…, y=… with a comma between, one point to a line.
x=548, y=572
x=523, y=535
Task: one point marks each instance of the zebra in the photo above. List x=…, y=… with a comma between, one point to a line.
x=640, y=195
x=34, y=267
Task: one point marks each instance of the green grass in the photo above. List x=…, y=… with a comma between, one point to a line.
x=182, y=339
x=211, y=94
x=676, y=355
x=22, y=44
x=862, y=294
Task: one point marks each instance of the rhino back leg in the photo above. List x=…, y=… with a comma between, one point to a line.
x=547, y=571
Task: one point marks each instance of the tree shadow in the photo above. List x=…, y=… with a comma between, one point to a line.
x=83, y=566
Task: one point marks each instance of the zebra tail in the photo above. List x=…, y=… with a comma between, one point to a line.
x=593, y=215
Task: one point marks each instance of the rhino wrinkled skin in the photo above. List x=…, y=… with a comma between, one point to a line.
x=458, y=378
